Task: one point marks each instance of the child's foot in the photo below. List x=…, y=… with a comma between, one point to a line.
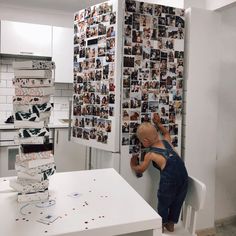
x=169, y=226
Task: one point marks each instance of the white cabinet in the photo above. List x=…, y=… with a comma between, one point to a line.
x=19, y=38
x=69, y=156
x=62, y=54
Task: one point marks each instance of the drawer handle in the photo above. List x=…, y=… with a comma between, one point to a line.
x=27, y=53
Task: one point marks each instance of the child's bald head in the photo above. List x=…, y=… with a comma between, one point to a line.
x=147, y=134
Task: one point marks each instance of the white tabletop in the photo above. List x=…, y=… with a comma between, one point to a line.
x=106, y=205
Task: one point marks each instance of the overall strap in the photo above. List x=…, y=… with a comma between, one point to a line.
x=169, y=147
x=164, y=152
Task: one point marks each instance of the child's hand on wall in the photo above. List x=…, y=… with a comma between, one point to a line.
x=134, y=161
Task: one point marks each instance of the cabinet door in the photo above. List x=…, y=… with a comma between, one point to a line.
x=26, y=39
x=69, y=156
x=62, y=54
x=7, y=160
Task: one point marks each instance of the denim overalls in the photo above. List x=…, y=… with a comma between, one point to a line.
x=173, y=184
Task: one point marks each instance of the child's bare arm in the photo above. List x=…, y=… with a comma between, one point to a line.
x=140, y=168
x=157, y=121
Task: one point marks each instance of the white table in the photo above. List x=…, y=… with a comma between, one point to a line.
x=106, y=205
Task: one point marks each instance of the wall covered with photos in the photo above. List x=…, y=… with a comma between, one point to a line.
x=153, y=55
x=94, y=74
x=151, y=76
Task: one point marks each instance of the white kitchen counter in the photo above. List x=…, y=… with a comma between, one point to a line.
x=58, y=124
x=85, y=203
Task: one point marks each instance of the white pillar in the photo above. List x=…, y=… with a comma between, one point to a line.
x=202, y=81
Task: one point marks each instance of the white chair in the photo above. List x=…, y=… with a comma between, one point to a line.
x=193, y=203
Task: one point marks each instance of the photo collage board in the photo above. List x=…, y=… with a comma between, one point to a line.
x=153, y=63
x=94, y=73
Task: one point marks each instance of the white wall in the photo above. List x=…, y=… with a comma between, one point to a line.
x=37, y=16
x=208, y=4
x=217, y=4
x=202, y=74
x=225, y=196
x=195, y=3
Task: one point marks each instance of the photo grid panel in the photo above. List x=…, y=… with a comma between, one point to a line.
x=153, y=57
x=94, y=69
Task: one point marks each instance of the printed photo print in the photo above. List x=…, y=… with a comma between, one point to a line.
x=153, y=69
x=94, y=72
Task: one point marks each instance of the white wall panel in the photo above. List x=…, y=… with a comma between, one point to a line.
x=202, y=74
x=225, y=196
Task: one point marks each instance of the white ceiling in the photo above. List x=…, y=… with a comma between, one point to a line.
x=62, y=5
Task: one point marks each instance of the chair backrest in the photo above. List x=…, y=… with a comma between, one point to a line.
x=193, y=203
x=196, y=193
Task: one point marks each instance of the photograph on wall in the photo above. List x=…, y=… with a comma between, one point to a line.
x=94, y=69
x=152, y=69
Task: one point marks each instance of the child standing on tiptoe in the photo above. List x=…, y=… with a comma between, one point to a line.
x=173, y=174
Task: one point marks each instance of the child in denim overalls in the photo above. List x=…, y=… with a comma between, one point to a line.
x=173, y=174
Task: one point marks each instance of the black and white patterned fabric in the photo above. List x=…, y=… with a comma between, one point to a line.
x=46, y=107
